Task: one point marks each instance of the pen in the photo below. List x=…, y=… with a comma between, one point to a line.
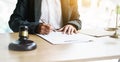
x=43, y=21
x=46, y=23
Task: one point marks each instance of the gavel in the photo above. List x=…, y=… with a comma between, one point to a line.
x=22, y=44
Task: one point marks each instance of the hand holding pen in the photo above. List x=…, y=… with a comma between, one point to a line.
x=44, y=28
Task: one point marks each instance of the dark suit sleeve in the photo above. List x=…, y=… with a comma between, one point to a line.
x=74, y=19
x=20, y=17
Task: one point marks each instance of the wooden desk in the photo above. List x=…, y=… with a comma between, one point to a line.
x=81, y=52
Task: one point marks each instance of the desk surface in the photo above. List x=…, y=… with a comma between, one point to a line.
x=66, y=52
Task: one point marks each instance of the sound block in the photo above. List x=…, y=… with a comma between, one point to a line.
x=24, y=45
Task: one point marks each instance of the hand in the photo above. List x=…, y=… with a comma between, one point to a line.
x=44, y=29
x=68, y=29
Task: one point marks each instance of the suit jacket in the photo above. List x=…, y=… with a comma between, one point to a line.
x=28, y=12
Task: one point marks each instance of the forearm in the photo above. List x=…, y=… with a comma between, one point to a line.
x=75, y=16
x=16, y=23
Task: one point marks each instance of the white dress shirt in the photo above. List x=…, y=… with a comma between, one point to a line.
x=51, y=13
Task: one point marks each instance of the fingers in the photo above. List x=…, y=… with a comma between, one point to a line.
x=68, y=29
x=61, y=29
x=45, y=29
x=71, y=30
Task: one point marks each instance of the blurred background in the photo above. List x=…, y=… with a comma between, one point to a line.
x=6, y=9
x=98, y=14
x=95, y=14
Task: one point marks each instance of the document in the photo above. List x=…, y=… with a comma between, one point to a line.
x=60, y=38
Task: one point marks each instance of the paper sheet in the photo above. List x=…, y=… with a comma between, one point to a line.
x=60, y=38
